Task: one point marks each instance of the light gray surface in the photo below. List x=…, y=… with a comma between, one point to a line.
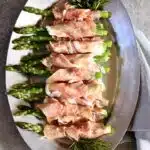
x=139, y=11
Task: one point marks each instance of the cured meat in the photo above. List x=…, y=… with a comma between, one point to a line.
x=90, y=94
x=74, y=29
x=68, y=91
x=77, y=47
x=70, y=61
x=62, y=10
x=76, y=131
x=54, y=110
x=59, y=8
x=69, y=75
x=76, y=14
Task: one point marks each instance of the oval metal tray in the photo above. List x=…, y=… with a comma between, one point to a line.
x=130, y=73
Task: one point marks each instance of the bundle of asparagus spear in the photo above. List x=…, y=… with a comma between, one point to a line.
x=31, y=65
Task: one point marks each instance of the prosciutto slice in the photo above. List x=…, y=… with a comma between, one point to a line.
x=76, y=47
x=62, y=10
x=83, y=61
x=68, y=91
x=74, y=29
x=54, y=110
x=69, y=75
x=76, y=14
x=85, y=129
x=59, y=8
x=78, y=93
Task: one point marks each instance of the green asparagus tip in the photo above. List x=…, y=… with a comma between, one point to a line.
x=105, y=14
x=31, y=112
x=31, y=29
x=37, y=128
x=12, y=68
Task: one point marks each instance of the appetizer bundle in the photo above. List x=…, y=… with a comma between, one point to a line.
x=76, y=57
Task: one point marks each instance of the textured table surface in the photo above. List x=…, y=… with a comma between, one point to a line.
x=9, y=139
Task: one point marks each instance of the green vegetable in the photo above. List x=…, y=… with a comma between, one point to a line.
x=37, y=11
x=12, y=68
x=25, y=110
x=33, y=38
x=108, y=44
x=91, y=144
x=37, y=128
x=101, y=32
x=98, y=75
x=28, y=92
x=99, y=26
x=105, y=14
x=23, y=107
x=35, y=69
x=31, y=65
x=99, y=4
x=29, y=30
x=91, y=4
x=32, y=57
x=31, y=45
x=102, y=60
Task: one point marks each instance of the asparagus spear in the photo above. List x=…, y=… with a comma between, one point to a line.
x=30, y=45
x=31, y=57
x=99, y=59
x=107, y=44
x=100, y=30
x=33, y=38
x=105, y=14
x=29, y=30
x=37, y=128
x=28, y=92
x=23, y=107
x=28, y=69
x=102, y=60
x=48, y=12
x=39, y=70
x=37, y=11
x=12, y=68
x=25, y=110
x=31, y=65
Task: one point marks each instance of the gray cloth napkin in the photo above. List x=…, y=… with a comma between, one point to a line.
x=141, y=122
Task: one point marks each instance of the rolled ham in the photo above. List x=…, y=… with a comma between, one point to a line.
x=77, y=47
x=74, y=29
x=76, y=14
x=69, y=75
x=54, y=110
x=85, y=129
